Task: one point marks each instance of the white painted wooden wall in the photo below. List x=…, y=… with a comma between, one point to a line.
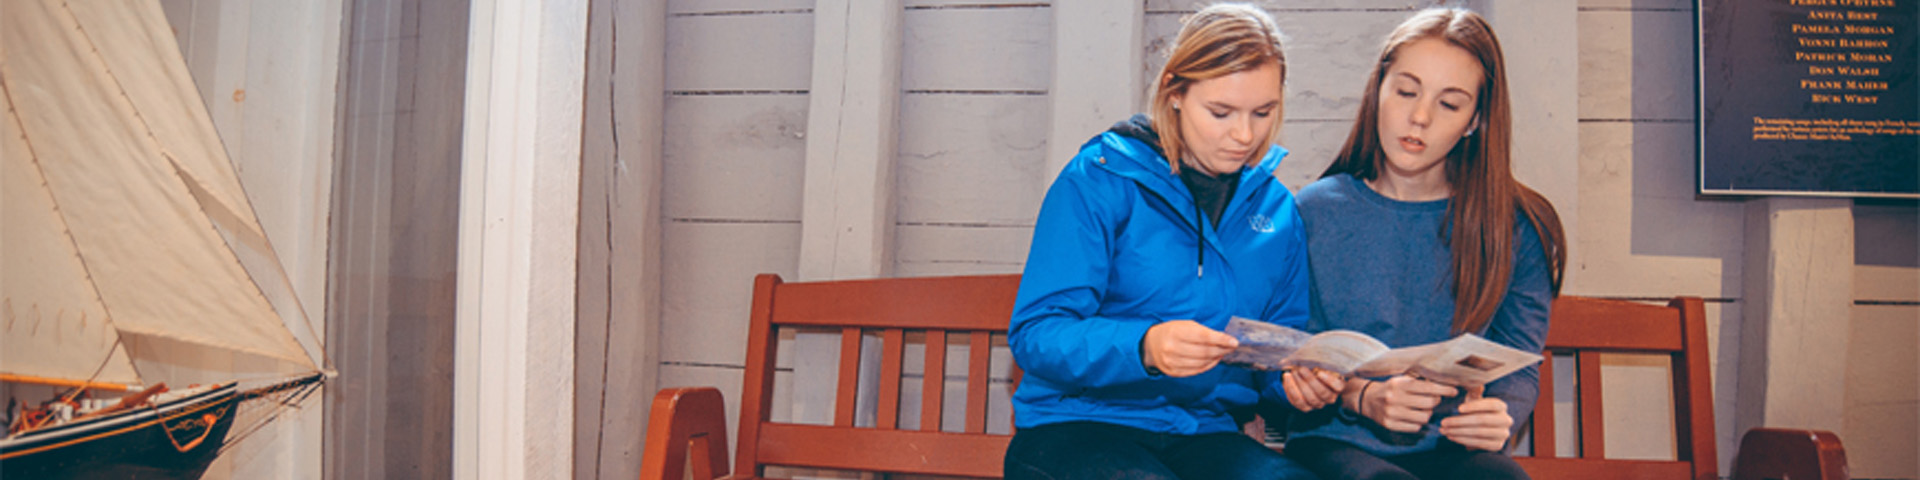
x=1605, y=93
x=977, y=131
x=266, y=71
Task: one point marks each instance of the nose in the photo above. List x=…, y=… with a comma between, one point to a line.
x=1242, y=131
x=1422, y=114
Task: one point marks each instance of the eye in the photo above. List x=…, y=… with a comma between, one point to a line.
x=1405, y=93
x=1263, y=114
x=1450, y=106
x=1219, y=114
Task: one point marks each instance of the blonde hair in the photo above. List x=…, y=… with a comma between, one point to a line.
x=1220, y=40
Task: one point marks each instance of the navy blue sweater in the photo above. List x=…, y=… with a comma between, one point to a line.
x=1381, y=267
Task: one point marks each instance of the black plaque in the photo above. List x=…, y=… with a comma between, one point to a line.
x=1809, y=97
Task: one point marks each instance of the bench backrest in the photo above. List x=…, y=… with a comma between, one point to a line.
x=1587, y=328
x=976, y=307
x=973, y=308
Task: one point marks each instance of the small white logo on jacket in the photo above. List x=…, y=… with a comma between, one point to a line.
x=1261, y=223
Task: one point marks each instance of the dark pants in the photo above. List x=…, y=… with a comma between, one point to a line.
x=1093, y=450
x=1336, y=459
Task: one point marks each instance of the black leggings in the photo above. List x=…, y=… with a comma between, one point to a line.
x=1100, y=451
x=1336, y=459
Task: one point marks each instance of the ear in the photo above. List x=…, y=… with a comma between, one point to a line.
x=1472, y=126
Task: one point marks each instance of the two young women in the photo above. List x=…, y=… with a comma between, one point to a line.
x=1168, y=224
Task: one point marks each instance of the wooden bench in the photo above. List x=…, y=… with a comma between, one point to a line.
x=690, y=423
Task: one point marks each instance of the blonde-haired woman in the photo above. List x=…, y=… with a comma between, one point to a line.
x=1418, y=232
x=1156, y=233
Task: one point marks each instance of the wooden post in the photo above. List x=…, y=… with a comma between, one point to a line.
x=617, y=350
x=846, y=222
x=1097, y=58
x=520, y=174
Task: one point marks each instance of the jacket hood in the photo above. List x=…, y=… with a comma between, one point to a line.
x=1135, y=141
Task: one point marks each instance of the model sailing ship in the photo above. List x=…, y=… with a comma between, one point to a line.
x=130, y=257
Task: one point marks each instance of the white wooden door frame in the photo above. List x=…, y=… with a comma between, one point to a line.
x=519, y=204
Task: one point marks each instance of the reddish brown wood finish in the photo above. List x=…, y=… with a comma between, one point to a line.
x=691, y=421
x=1588, y=328
x=979, y=353
x=972, y=307
x=1544, y=443
x=686, y=423
x=1593, y=441
x=933, y=381
x=1771, y=453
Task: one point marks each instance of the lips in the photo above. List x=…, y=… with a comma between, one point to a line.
x=1412, y=145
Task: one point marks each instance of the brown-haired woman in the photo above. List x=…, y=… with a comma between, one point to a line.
x=1156, y=234
x=1418, y=232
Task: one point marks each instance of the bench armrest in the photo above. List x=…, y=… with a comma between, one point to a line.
x=1780, y=453
x=685, y=422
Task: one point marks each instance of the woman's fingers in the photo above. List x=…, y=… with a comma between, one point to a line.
x=1484, y=405
x=1481, y=424
x=1184, y=348
x=1309, y=389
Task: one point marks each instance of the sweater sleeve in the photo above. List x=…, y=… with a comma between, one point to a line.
x=1521, y=322
x=1055, y=333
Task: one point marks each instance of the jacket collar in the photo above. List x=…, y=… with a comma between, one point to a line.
x=1130, y=158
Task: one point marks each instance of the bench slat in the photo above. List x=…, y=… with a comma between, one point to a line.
x=979, y=345
x=934, y=453
x=1543, y=430
x=1693, y=392
x=1590, y=323
x=1592, y=431
x=933, y=383
x=843, y=401
x=893, y=344
x=953, y=303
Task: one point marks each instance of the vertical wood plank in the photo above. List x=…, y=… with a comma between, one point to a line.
x=620, y=234
x=979, y=351
x=893, y=347
x=1543, y=428
x=847, y=210
x=1098, y=54
x=846, y=395
x=1592, y=431
x=933, y=383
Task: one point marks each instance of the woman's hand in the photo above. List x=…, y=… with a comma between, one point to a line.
x=1482, y=424
x=1402, y=403
x=1184, y=348
x=1308, y=389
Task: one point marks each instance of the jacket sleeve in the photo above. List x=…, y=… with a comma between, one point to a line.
x=1521, y=322
x=1054, y=333
x=1289, y=304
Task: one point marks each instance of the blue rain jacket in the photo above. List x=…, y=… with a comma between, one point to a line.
x=1118, y=248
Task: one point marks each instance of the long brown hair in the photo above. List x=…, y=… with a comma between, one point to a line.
x=1220, y=40
x=1480, y=214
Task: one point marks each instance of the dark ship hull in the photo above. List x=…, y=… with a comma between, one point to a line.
x=173, y=440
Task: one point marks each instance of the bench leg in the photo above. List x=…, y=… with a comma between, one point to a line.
x=685, y=422
x=1788, y=454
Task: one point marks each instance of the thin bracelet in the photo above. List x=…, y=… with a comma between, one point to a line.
x=1360, y=406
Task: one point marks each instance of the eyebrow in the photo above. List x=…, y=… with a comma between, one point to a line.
x=1415, y=79
x=1262, y=106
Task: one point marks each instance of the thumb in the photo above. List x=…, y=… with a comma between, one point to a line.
x=1222, y=340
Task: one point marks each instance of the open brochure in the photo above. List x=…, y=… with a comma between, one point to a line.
x=1465, y=361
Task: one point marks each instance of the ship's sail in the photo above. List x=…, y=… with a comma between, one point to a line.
x=54, y=325
x=116, y=176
